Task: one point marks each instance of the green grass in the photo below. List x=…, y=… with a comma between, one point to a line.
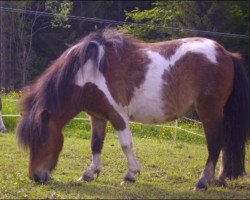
x=169, y=169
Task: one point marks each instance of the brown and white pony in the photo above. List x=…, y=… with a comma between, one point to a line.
x=115, y=77
x=2, y=126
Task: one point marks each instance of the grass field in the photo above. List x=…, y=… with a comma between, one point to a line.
x=169, y=168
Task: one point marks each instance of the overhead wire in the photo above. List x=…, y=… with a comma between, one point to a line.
x=114, y=22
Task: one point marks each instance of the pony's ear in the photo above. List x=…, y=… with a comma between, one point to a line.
x=92, y=51
x=45, y=116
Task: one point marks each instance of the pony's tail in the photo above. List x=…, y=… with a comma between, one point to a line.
x=236, y=120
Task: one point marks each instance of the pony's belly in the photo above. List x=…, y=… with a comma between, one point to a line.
x=150, y=113
x=152, y=116
x=147, y=118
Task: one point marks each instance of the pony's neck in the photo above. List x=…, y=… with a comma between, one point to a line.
x=70, y=109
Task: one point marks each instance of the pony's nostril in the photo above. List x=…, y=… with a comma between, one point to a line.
x=46, y=177
x=41, y=177
x=36, y=178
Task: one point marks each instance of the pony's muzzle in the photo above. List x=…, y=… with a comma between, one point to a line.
x=40, y=177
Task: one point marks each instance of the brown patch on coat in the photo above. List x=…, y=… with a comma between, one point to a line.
x=167, y=48
x=188, y=80
x=98, y=129
x=96, y=104
x=125, y=71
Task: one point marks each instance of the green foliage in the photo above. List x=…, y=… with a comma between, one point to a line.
x=163, y=14
x=61, y=11
x=47, y=42
x=200, y=15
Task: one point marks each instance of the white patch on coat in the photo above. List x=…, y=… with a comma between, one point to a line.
x=146, y=105
x=96, y=162
x=100, y=54
x=89, y=73
x=125, y=138
x=100, y=51
x=208, y=173
x=205, y=47
x=95, y=167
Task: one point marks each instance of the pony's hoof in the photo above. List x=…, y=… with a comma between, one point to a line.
x=88, y=178
x=200, y=186
x=3, y=130
x=129, y=178
x=89, y=175
x=220, y=183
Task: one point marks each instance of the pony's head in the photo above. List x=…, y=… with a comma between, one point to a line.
x=39, y=131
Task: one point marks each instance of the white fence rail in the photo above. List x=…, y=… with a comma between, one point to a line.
x=176, y=126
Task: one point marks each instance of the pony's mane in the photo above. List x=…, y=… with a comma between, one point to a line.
x=119, y=40
x=54, y=87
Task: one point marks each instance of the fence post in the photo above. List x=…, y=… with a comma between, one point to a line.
x=175, y=131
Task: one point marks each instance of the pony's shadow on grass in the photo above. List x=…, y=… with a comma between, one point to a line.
x=103, y=189
x=106, y=190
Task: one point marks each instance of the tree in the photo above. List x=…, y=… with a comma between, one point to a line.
x=17, y=33
x=29, y=42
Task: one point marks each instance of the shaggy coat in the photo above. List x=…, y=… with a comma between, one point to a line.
x=114, y=77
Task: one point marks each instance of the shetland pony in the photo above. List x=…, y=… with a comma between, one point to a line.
x=2, y=126
x=114, y=77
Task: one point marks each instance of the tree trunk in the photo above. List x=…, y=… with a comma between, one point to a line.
x=5, y=63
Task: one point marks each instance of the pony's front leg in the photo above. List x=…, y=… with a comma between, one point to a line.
x=98, y=135
x=126, y=142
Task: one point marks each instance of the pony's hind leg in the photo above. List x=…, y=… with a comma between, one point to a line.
x=212, y=119
x=98, y=136
x=221, y=180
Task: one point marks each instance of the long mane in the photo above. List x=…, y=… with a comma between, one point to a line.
x=54, y=86
x=49, y=92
